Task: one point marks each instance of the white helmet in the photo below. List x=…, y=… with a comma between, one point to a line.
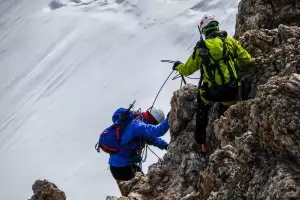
x=208, y=18
x=158, y=114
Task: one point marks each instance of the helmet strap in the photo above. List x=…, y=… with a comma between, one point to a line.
x=149, y=118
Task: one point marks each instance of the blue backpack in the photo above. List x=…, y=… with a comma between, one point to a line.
x=110, y=138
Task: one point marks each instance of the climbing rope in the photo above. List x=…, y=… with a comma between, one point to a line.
x=160, y=90
x=177, y=76
x=144, y=152
x=160, y=160
x=144, y=156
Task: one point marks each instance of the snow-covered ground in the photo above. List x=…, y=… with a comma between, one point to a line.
x=64, y=71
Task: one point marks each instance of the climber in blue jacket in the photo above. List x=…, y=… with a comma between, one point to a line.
x=146, y=128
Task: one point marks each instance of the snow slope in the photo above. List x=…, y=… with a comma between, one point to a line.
x=64, y=71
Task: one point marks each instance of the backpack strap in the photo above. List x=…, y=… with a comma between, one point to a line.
x=217, y=66
x=118, y=133
x=227, y=58
x=205, y=55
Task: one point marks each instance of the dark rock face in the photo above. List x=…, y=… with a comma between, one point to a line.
x=266, y=14
x=262, y=162
x=44, y=190
x=276, y=52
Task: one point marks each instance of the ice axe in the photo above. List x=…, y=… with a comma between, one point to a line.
x=168, y=61
x=172, y=61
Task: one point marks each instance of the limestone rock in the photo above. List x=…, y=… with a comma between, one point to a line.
x=276, y=52
x=262, y=163
x=45, y=190
x=266, y=14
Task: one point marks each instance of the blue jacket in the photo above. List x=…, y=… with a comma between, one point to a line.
x=136, y=134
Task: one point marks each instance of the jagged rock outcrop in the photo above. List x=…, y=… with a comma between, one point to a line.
x=260, y=154
x=266, y=14
x=45, y=190
x=275, y=52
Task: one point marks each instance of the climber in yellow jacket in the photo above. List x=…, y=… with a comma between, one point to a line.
x=219, y=58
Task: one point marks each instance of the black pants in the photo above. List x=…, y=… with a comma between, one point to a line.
x=125, y=173
x=202, y=120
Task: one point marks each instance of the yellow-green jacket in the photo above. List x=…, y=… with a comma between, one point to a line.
x=239, y=56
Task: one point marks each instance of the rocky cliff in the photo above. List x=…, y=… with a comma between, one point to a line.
x=254, y=148
x=45, y=190
x=266, y=14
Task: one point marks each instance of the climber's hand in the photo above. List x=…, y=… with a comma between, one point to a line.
x=176, y=64
x=166, y=147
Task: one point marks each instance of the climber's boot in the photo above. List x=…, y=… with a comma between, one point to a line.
x=200, y=148
x=203, y=148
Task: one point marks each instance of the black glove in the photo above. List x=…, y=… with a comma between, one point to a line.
x=149, y=141
x=176, y=64
x=168, y=114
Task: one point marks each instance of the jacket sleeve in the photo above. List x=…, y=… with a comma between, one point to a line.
x=191, y=65
x=157, y=142
x=241, y=55
x=147, y=130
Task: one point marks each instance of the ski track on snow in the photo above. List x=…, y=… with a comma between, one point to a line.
x=52, y=81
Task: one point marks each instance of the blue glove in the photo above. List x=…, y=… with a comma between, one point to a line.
x=157, y=142
x=166, y=147
x=135, y=159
